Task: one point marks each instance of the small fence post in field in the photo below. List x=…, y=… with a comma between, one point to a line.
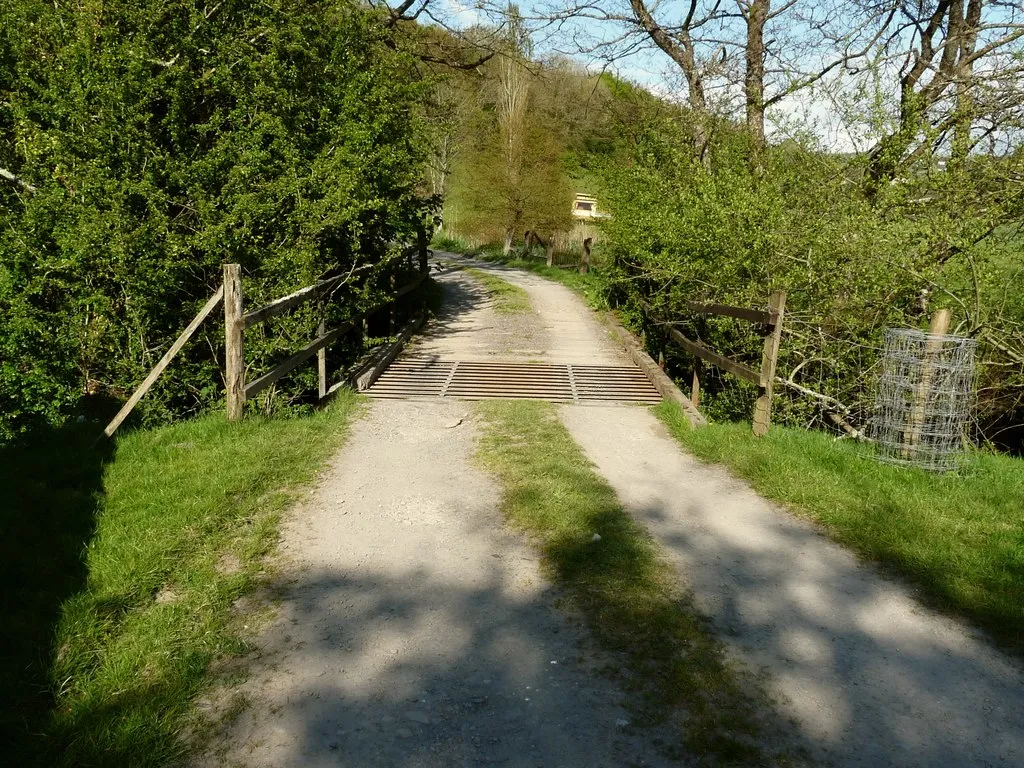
x=321, y=363
x=763, y=407
x=585, y=260
x=698, y=371
x=234, y=342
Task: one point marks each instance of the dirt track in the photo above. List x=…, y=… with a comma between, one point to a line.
x=417, y=631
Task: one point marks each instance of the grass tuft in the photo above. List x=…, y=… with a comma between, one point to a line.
x=173, y=528
x=508, y=299
x=959, y=538
x=627, y=594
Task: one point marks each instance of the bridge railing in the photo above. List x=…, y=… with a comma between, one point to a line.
x=769, y=322
x=236, y=322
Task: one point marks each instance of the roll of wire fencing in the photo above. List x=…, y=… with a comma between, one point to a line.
x=925, y=400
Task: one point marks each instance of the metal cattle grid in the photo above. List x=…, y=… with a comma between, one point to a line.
x=482, y=380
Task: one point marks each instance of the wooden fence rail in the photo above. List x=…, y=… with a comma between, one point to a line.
x=235, y=323
x=154, y=374
x=770, y=320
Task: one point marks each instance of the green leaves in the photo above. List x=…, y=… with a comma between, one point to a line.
x=685, y=231
x=166, y=138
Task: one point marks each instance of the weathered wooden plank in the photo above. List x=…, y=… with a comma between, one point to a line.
x=367, y=377
x=234, y=342
x=768, y=318
x=158, y=369
x=297, y=359
x=725, y=363
x=763, y=406
x=741, y=313
x=301, y=296
x=661, y=381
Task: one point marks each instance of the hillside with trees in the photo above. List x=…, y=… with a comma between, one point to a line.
x=143, y=146
x=730, y=190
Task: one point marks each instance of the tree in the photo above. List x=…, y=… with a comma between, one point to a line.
x=164, y=139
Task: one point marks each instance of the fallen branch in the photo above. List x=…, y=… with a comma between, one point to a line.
x=4, y=173
x=832, y=406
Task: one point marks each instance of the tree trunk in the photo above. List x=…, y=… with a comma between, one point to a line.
x=509, y=237
x=679, y=46
x=756, y=16
x=965, y=107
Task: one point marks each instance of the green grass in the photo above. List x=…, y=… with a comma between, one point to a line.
x=960, y=539
x=153, y=542
x=676, y=669
x=508, y=299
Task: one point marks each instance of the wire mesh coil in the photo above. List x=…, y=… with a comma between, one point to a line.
x=925, y=399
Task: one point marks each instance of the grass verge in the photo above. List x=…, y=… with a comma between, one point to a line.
x=626, y=593
x=960, y=539
x=167, y=533
x=508, y=299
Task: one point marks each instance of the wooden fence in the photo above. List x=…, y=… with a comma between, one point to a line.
x=236, y=322
x=769, y=321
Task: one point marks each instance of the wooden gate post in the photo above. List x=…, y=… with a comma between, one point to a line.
x=938, y=328
x=321, y=362
x=585, y=260
x=763, y=407
x=234, y=342
x=422, y=246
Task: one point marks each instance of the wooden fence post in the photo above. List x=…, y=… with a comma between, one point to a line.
x=585, y=261
x=234, y=342
x=422, y=246
x=938, y=327
x=763, y=407
x=321, y=363
x=698, y=371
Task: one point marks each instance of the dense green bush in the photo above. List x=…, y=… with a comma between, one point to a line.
x=164, y=139
x=852, y=266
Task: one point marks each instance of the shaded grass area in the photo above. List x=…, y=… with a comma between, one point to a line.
x=960, y=539
x=508, y=299
x=152, y=541
x=626, y=593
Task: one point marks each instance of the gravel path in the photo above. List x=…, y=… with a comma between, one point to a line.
x=560, y=329
x=870, y=676
x=416, y=629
